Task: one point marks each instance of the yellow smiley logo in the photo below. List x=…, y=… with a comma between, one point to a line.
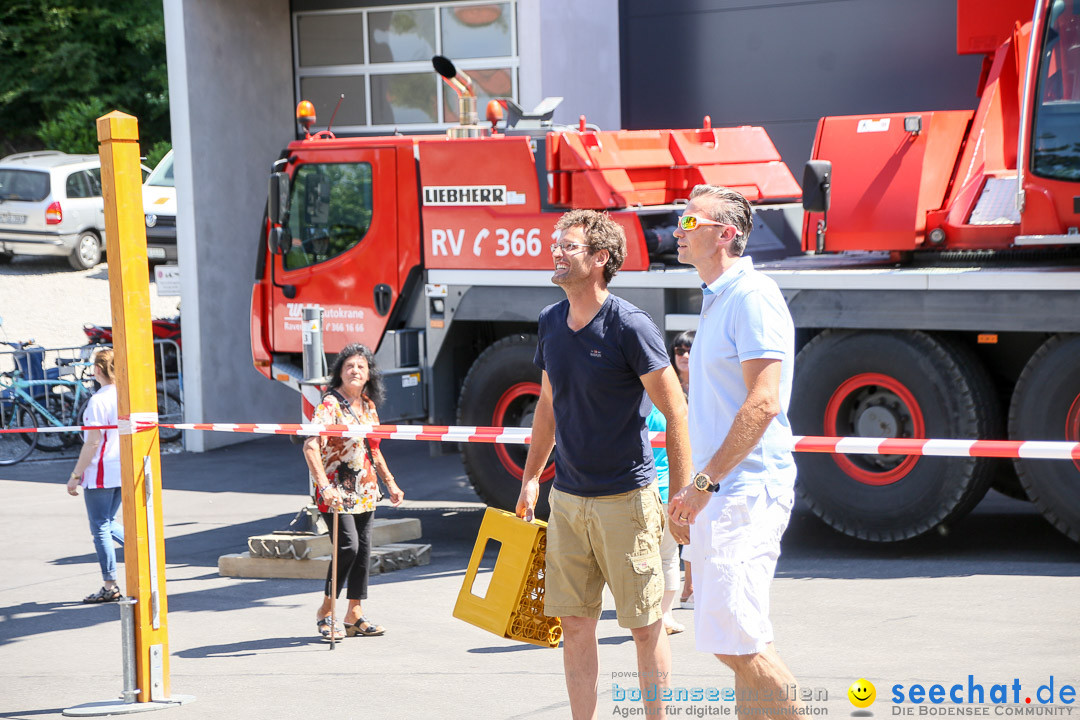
x=862, y=693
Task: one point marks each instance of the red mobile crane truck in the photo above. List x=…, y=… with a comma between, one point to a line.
x=434, y=250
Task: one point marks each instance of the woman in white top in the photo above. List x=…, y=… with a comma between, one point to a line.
x=98, y=471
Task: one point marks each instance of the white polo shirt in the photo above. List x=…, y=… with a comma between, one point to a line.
x=104, y=468
x=743, y=317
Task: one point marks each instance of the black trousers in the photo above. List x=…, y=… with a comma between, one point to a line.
x=354, y=553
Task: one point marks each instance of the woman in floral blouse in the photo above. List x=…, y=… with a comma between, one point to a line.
x=343, y=473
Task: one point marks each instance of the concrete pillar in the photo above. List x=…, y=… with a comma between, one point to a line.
x=231, y=105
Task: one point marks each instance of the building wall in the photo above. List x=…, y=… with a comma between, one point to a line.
x=577, y=55
x=784, y=65
x=231, y=104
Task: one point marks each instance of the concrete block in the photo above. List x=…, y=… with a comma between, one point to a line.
x=303, y=546
x=386, y=558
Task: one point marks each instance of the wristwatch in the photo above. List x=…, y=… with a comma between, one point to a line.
x=704, y=483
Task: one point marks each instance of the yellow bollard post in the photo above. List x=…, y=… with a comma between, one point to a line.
x=129, y=285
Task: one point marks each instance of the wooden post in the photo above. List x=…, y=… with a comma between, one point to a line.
x=129, y=285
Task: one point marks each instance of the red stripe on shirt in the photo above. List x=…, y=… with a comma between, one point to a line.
x=101, y=461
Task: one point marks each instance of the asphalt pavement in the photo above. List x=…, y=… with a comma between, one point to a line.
x=995, y=599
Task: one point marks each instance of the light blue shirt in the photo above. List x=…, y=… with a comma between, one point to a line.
x=743, y=317
x=657, y=421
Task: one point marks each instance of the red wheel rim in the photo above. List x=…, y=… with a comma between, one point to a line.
x=510, y=404
x=861, y=393
x=1072, y=425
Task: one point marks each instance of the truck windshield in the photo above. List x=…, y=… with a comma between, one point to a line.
x=1056, y=141
x=329, y=211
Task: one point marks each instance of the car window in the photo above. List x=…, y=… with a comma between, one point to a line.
x=77, y=187
x=23, y=185
x=163, y=173
x=93, y=176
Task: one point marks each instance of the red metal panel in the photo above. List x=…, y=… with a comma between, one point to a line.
x=647, y=167
x=883, y=179
x=744, y=144
x=982, y=26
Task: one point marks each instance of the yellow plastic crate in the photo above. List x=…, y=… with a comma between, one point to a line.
x=513, y=606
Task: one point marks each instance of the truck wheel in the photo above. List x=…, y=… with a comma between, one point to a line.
x=991, y=418
x=501, y=390
x=882, y=384
x=1046, y=406
x=87, y=252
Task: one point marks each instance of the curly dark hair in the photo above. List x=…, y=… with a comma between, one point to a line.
x=601, y=233
x=374, y=387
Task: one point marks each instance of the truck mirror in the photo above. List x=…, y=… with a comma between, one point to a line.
x=816, y=184
x=278, y=201
x=279, y=240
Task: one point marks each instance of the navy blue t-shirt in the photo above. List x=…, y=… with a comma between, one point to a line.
x=601, y=441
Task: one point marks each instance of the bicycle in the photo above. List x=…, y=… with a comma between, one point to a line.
x=25, y=403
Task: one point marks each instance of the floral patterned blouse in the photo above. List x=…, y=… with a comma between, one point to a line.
x=347, y=465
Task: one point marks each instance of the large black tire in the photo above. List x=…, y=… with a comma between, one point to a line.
x=87, y=252
x=14, y=447
x=887, y=384
x=501, y=389
x=1046, y=406
x=991, y=418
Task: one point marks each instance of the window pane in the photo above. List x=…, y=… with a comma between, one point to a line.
x=324, y=93
x=93, y=176
x=329, y=211
x=401, y=35
x=1056, y=140
x=76, y=185
x=408, y=98
x=475, y=31
x=23, y=185
x=488, y=84
x=333, y=39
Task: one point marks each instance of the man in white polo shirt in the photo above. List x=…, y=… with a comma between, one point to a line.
x=738, y=506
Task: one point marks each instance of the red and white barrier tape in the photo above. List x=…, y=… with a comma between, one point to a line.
x=1032, y=449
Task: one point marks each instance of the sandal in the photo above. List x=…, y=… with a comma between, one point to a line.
x=103, y=595
x=324, y=629
x=364, y=628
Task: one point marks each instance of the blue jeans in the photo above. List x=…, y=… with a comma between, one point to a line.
x=101, y=507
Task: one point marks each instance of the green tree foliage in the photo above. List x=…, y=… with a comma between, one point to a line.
x=67, y=62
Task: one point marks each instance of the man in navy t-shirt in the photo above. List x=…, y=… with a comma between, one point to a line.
x=600, y=356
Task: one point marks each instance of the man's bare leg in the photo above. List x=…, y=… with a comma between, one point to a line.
x=581, y=665
x=764, y=678
x=654, y=665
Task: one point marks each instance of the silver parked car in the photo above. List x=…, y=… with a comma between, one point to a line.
x=51, y=204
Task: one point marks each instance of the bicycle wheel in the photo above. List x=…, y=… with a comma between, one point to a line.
x=169, y=411
x=17, y=446
x=57, y=403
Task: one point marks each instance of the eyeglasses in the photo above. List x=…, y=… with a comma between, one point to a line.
x=682, y=351
x=691, y=222
x=566, y=247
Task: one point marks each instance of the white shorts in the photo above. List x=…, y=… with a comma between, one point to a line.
x=735, y=543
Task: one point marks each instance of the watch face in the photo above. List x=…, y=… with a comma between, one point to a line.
x=701, y=481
